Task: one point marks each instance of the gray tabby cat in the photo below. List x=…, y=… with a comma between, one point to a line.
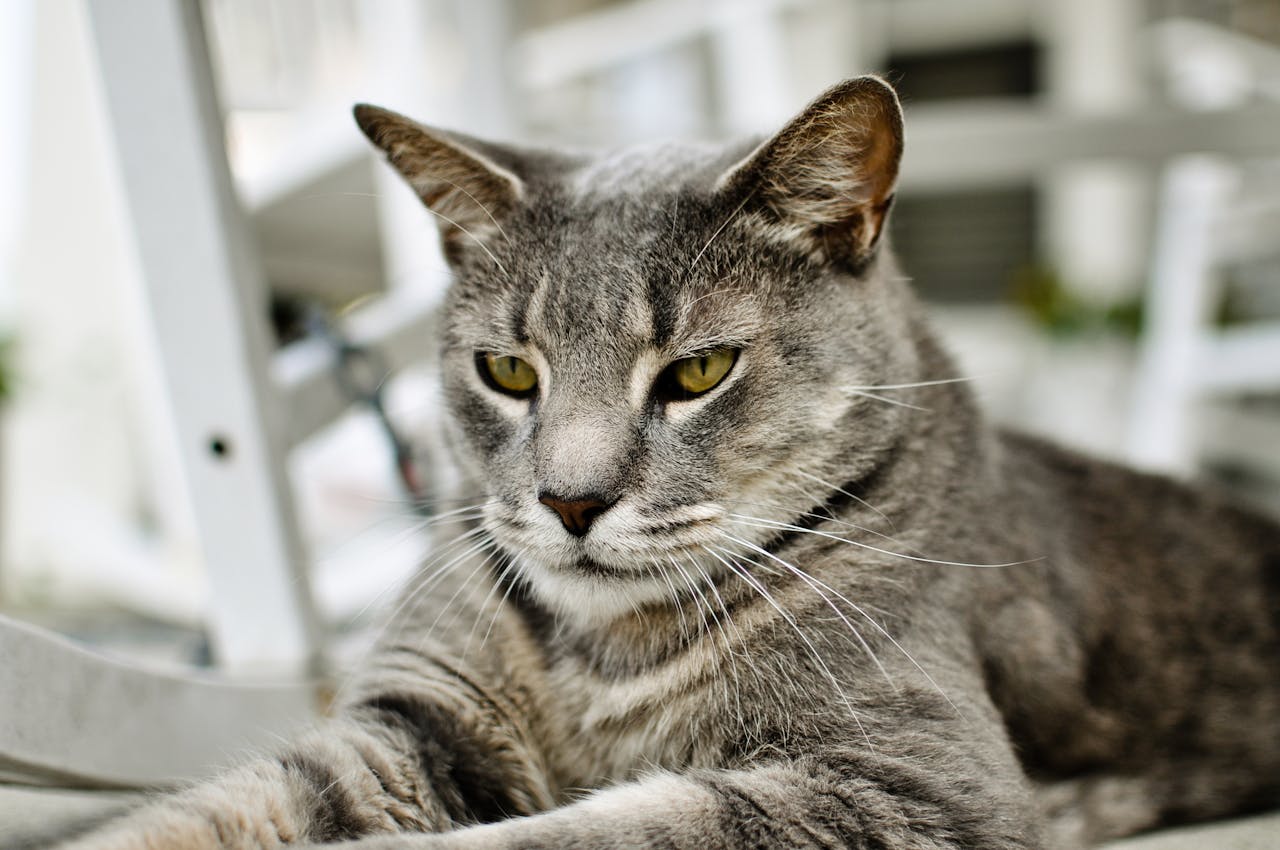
x=745, y=566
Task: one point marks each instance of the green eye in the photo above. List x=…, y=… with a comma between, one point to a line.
x=508, y=374
x=694, y=376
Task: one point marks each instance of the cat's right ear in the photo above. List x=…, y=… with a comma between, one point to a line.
x=468, y=192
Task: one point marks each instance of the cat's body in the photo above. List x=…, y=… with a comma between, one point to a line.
x=801, y=596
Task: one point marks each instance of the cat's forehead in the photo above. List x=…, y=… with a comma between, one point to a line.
x=600, y=300
x=569, y=310
x=656, y=168
x=620, y=254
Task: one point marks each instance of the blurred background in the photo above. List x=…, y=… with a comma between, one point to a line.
x=1091, y=200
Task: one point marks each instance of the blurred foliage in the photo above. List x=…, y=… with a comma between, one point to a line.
x=1060, y=311
x=1052, y=305
x=6, y=367
x=1236, y=307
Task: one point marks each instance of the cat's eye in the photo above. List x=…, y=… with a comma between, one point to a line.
x=507, y=374
x=693, y=376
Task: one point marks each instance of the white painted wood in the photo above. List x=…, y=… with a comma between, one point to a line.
x=1240, y=359
x=1207, y=64
x=208, y=301
x=17, y=70
x=395, y=32
x=925, y=25
x=485, y=96
x=749, y=50
x=1248, y=439
x=1095, y=215
x=609, y=37
x=827, y=41
x=993, y=143
x=95, y=722
x=29, y=815
x=1179, y=297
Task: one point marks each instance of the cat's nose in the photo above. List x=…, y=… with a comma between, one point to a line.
x=576, y=514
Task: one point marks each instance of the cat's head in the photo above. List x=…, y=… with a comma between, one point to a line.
x=660, y=355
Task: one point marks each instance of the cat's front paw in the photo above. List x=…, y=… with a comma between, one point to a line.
x=176, y=830
x=463, y=839
x=414, y=841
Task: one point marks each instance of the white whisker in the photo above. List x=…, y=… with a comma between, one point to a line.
x=859, y=610
x=878, y=387
x=813, y=585
x=754, y=583
x=843, y=492
x=474, y=238
x=786, y=526
x=482, y=207
x=885, y=399
x=714, y=236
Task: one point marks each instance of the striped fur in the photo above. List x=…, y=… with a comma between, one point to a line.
x=827, y=605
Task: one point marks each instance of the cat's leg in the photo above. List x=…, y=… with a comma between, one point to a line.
x=425, y=738
x=918, y=771
x=1086, y=811
x=791, y=805
x=396, y=761
x=342, y=781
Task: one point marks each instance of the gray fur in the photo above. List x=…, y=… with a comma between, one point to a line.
x=822, y=609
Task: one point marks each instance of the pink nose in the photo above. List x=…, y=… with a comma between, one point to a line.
x=576, y=514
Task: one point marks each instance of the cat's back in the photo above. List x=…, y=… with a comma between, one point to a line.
x=1124, y=525
x=1165, y=598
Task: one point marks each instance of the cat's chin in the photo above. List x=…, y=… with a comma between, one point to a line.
x=589, y=594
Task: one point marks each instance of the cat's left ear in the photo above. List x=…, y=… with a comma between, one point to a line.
x=468, y=191
x=827, y=178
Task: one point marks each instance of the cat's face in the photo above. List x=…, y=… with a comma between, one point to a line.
x=653, y=358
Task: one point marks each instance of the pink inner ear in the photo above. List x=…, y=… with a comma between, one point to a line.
x=840, y=157
x=881, y=152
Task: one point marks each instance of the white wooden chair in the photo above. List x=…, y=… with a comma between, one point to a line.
x=1207, y=215
x=73, y=718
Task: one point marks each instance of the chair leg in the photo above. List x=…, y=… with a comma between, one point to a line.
x=1180, y=297
x=206, y=287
